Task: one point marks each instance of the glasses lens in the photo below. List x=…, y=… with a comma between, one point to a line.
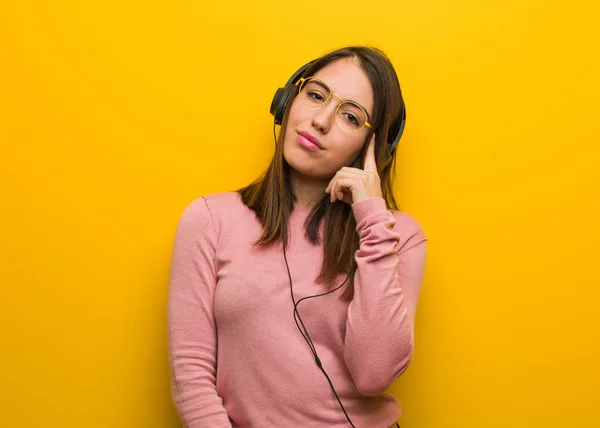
x=314, y=93
x=350, y=117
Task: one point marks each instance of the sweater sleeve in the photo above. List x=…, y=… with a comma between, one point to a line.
x=191, y=323
x=379, y=340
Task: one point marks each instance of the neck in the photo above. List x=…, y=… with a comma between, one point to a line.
x=308, y=190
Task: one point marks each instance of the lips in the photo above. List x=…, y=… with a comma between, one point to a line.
x=311, y=138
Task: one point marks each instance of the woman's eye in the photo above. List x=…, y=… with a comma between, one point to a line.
x=351, y=118
x=316, y=96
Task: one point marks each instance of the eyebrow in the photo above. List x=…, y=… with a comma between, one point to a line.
x=322, y=85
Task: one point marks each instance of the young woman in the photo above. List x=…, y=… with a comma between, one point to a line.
x=292, y=301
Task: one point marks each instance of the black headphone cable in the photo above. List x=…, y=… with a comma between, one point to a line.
x=297, y=317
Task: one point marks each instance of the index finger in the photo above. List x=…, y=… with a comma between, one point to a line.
x=370, y=164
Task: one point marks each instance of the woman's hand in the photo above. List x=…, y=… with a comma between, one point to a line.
x=353, y=185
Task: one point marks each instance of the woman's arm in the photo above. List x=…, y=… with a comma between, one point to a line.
x=379, y=339
x=192, y=331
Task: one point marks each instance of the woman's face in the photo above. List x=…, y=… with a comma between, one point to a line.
x=336, y=148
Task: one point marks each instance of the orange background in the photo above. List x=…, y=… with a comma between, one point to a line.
x=115, y=115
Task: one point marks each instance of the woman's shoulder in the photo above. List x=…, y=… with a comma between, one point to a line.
x=229, y=200
x=220, y=207
x=219, y=212
x=217, y=204
x=410, y=229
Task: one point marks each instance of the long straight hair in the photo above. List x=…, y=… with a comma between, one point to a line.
x=271, y=196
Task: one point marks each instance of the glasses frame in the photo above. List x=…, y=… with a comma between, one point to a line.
x=300, y=84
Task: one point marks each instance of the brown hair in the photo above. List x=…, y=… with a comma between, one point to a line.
x=340, y=239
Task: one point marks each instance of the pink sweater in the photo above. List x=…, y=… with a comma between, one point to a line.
x=237, y=358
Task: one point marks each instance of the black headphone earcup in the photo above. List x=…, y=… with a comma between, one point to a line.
x=280, y=102
x=275, y=105
x=398, y=135
x=283, y=95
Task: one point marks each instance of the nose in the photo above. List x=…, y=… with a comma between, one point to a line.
x=324, y=117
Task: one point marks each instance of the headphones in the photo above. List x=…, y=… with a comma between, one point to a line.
x=283, y=96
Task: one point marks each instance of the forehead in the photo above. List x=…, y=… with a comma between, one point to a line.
x=347, y=79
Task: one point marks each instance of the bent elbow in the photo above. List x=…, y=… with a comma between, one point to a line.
x=377, y=382
x=372, y=386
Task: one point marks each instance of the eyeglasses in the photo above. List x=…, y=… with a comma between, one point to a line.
x=350, y=117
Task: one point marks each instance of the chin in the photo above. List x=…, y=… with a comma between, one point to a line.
x=301, y=163
x=301, y=166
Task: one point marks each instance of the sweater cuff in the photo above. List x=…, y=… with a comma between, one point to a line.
x=365, y=208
